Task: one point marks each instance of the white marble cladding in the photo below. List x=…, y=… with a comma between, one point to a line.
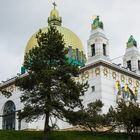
x=15, y=98
x=98, y=38
x=104, y=80
x=132, y=54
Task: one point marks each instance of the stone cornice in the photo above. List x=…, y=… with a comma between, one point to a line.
x=111, y=66
x=87, y=67
x=11, y=81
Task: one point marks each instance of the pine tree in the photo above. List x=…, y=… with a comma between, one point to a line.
x=49, y=88
x=125, y=115
x=89, y=118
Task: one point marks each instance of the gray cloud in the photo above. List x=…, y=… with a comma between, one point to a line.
x=19, y=19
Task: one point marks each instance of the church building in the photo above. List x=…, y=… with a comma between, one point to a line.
x=108, y=81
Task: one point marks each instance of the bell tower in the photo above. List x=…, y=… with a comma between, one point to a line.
x=98, y=47
x=131, y=59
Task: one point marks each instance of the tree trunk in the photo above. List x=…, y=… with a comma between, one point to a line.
x=45, y=136
x=129, y=137
x=46, y=127
x=129, y=130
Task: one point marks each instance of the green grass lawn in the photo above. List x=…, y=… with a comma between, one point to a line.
x=65, y=135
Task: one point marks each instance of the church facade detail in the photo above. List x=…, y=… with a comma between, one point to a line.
x=108, y=82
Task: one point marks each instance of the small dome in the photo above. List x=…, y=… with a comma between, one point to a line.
x=54, y=13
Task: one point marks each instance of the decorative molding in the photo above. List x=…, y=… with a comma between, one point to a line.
x=11, y=88
x=112, y=67
x=130, y=81
x=85, y=76
x=97, y=71
x=122, y=78
x=105, y=71
x=137, y=84
x=114, y=75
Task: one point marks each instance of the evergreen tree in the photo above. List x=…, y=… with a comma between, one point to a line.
x=49, y=87
x=126, y=115
x=89, y=118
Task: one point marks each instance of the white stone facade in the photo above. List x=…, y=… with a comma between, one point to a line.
x=133, y=55
x=100, y=73
x=98, y=38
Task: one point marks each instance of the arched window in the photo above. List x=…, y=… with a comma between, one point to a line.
x=9, y=116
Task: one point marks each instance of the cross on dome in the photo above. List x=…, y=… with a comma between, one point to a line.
x=54, y=4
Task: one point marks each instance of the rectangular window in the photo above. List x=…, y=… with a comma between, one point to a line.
x=77, y=55
x=70, y=52
x=104, y=49
x=129, y=65
x=138, y=64
x=93, y=50
x=93, y=88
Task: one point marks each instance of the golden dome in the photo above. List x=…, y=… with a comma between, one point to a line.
x=77, y=54
x=70, y=39
x=54, y=13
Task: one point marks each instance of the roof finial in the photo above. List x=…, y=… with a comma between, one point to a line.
x=54, y=18
x=54, y=4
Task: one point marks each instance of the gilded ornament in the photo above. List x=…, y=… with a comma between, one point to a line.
x=118, y=87
x=85, y=75
x=11, y=88
x=135, y=91
x=134, y=94
x=114, y=75
x=122, y=78
x=130, y=81
x=126, y=88
x=137, y=84
x=97, y=71
x=105, y=71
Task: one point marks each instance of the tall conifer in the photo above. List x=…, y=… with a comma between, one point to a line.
x=49, y=88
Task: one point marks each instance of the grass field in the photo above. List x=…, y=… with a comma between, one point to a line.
x=66, y=135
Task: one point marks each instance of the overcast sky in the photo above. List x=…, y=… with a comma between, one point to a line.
x=19, y=19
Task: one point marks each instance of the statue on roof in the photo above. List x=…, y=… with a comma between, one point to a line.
x=97, y=23
x=131, y=41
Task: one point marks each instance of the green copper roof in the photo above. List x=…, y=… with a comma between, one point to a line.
x=97, y=23
x=131, y=42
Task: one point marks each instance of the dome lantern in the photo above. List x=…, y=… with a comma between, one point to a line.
x=54, y=18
